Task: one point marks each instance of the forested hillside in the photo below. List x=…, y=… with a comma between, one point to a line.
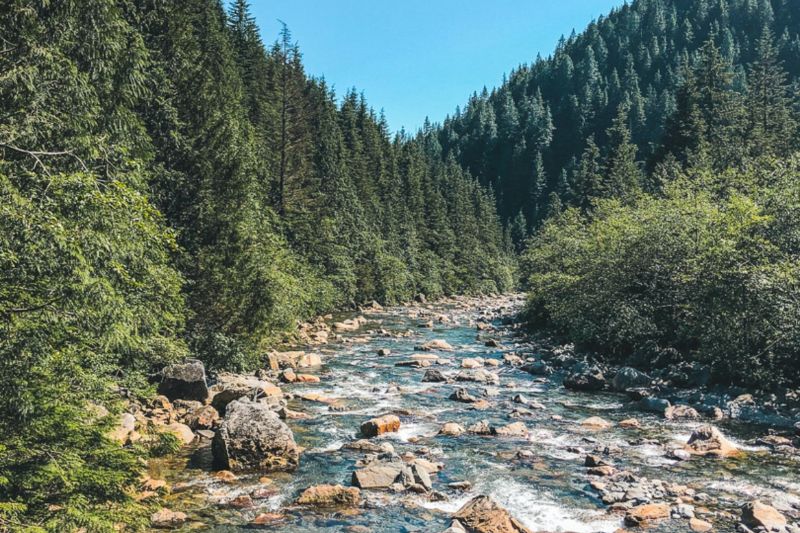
x=555, y=124
x=171, y=186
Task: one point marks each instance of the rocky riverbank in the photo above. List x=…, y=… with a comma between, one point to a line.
x=434, y=417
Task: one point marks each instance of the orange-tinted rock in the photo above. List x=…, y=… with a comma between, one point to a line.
x=380, y=425
x=642, y=514
x=483, y=515
x=330, y=495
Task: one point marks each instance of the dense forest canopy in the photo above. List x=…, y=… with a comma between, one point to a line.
x=554, y=125
x=172, y=186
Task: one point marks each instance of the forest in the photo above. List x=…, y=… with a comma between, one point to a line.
x=173, y=186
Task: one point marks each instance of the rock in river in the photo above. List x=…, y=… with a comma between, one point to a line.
x=186, y=381
x=756, y=514
x=585, y=378
x=433, y=376
x=630, y=378
x=708, y=440
x=483, y=515
x=642, y=514
x=252, y=437
x=330, y=496
x=380, y=425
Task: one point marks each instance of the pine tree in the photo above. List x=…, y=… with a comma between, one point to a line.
x=623, y=174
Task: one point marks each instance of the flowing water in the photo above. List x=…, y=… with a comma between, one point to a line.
x=547, y=491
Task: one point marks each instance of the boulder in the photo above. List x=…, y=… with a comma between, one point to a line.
x=451, y=429
x=381, y=475
x=330, y=496
x=380, y=425
x=642, y=514
x=126, y=426
x=630, y=423
x=538, y=368
x=517, y=429
x=288, y=376
x=481, y=428
x=478, y=375
x=708, y=440
x=586, y=378
x=654, y=405
x=433, y=376
x=202, y=417
x=756, y=514
x=252, y=437
x=483, y=515
x=492, y=343
x=307, y=378
x=183, y=432
x=309, y=360
x=681, y=412
x=230, y=387
x=364, y=445
x=436, y=344
x=167, y=519
x=699, y=526
x=384, y=352
x=471, y=363
x=186, y=381
x=595, y=422
x=630, y=378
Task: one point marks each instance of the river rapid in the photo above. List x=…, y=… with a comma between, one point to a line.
x=540, y=479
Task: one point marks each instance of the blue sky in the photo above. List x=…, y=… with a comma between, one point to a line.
x=418, y=58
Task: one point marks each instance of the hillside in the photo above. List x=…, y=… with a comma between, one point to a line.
x=526, y=138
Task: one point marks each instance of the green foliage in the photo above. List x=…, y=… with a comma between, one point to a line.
x=706, y=273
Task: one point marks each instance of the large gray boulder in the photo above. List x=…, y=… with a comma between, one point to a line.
x=585, y=378
x=630, y=378
x=184, y=381
x=253, y=438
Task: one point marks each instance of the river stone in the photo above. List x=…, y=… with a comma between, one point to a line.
x=330, y=496
x=378, y=475
x=436, y=344
x=166, y=518
x=630, y=423
x=483, y=515
x=538, y=368
x=595, y=422
x=654, y=405
x=230, y=387
x=451, y=429
x=681, y=412
x=183, y=432
x=585, y=379
x=252, y=437
x=384, y=352
x=478, y=375
x=462, y=395
x=433, y=376
x=517, y=429
x=629, y=378
x=642, y=514
x=202, y=417
x=708, y=440
x=481, y=428
x=756, y=514
x=380, y=425
x=699, y=526
x=185, y=381
x=364, y=445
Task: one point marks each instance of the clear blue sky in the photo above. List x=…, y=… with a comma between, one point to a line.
x=418, y=58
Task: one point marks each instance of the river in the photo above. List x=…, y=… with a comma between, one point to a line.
x=546, y=487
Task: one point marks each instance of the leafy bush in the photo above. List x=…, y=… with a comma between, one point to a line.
x=709, y=272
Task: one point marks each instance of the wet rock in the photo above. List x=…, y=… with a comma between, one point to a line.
x=654, y=405
x=252, y=437
x=774, y=441
x=512, y=359
x=483, y=515
x=166, y=518
x=202, y=417
x=284, y=413
x=434, y=376
x=414, y=363
x=538, y=368
x=481, y=428
x=266, y=519
x=594, y=461
x=288, y=376
x=451, y=429
x=642, y=514
x=243, y=501
x=585, y=378
x=364, y=445
x=756, y=514
x=225, y=476
x=330, y=496
x=462, y=395
x=699, y=526
x=230, y=387
x=681, y=412
x=384, y=352
x=307, y=378
x=630, y=378
x=421, y=476
x=471, y=363
x=436, y=344
x=517, y=430
x=602, y=471
x=460, y=485
x=185, y=381
x=478, y=375
x=595, y=422
x=708, y=440
x=519, y=398
x=630, y=423
x=679, y=455
x=492, y=343
x=380, y=475
x=380, y=425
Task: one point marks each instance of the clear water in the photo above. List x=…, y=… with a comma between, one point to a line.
x=548, y=492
